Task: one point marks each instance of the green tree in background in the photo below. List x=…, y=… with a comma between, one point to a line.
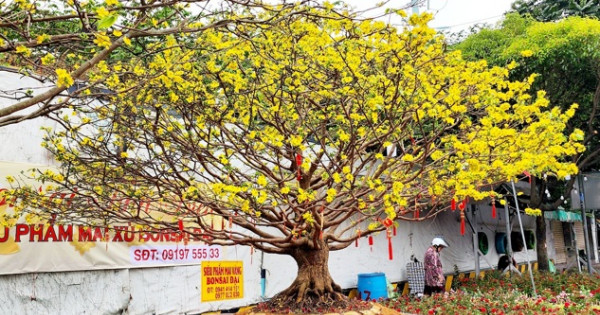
x=566, y=56
x=552, y=10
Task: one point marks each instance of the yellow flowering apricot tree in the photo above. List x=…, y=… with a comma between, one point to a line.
x=302, y=137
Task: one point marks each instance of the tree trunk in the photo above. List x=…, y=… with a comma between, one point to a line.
x=313, y=285
x=540, y=244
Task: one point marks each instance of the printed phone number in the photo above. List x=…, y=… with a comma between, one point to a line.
x=173, y=254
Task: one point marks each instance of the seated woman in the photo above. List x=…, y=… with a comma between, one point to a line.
x=504, y=265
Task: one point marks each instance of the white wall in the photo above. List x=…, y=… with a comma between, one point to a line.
x=21, y=142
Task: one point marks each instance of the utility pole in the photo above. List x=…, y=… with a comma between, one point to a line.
x=585, y=225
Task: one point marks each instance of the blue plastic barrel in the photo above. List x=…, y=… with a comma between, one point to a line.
x=372, y=286
x=501, y=242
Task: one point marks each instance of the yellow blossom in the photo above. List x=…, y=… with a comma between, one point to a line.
x=63, y=78
x=102, y=40
x=331, y=193
x=308, y=217
x=47, y=59
x=527, y=53
x=43, y=38
x=102, y=12
x=533, y=212
x=23, y=50
x=261, y=180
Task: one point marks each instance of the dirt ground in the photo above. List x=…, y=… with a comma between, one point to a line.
x=376, y=309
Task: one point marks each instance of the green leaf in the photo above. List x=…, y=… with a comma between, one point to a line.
x=107, y=21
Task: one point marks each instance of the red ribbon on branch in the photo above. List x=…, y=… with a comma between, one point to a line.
x=298, y=163
x=416, y=213
x=387, y=222
x=528, y=175
x=390, y=250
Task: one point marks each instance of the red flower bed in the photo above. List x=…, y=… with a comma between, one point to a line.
x=569, y=293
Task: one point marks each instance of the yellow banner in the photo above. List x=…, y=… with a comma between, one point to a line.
x=222, y=280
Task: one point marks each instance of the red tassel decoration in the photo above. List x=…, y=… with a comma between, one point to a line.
x=462, y=223
x=390, y=250
x=493, y=209
x=356, y=242
x=299, y=163
x=394, y=231
x=180, y=222
x=462, y=205
x=416, y=214
x=387, y=222
x=453, y=204
x=370, y=240
x=528, y=175
x=230, y=222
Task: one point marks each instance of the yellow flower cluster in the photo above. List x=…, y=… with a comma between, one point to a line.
x=357, y=117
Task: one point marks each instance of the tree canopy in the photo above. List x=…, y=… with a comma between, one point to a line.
x=301, y=136
x=552, y=10
x=565, y=54
x=60, y=41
